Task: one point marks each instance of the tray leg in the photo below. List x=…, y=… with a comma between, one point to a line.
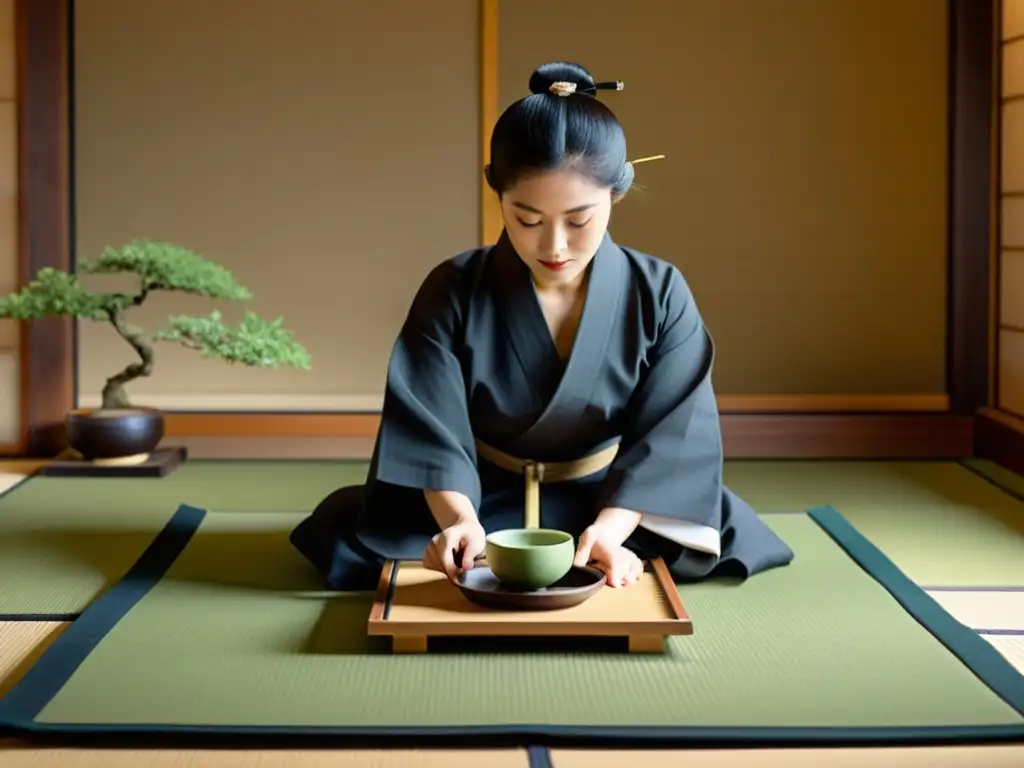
x=409, y=644
x=646, y=644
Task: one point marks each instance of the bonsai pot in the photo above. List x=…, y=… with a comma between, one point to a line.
x=115, y=436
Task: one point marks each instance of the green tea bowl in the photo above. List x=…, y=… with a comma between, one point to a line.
x=528, y=559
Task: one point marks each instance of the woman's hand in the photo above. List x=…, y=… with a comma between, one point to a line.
x=462, y=538
x=453, y=550
x=602, y=546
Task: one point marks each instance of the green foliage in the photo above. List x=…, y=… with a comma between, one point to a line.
x=255, y=342
x=160, y=267
x=54, y=293
x=168, y=267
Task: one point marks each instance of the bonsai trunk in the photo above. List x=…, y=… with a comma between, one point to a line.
x=114, y=394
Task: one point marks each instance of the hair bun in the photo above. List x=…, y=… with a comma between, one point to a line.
x=546, y=75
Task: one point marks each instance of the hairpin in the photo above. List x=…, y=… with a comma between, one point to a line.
x=563, y=89
x=647, y=159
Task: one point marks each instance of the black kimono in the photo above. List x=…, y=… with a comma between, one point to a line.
x=475, y=361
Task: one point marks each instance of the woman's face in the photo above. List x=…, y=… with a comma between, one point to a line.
x=556, y=222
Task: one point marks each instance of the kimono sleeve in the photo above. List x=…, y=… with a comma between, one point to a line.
x=669, y=463
x=425, y=439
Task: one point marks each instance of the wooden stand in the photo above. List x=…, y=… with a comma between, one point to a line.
x=160, y=463
x=414, y=604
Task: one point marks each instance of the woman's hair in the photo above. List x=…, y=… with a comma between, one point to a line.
x=561, y=124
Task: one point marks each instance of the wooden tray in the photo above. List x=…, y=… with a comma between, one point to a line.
x=413, y=604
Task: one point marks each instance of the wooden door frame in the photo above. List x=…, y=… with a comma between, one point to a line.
x=935, y=426
x=998, y=434
x=47, y=347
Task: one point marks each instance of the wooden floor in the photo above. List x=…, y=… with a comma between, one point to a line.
x=22, y=642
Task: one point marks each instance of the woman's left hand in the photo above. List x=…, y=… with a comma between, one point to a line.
x=602, y=547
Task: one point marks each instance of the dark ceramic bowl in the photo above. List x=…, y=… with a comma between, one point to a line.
x=114, y=434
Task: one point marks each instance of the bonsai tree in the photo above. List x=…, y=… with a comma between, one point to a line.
x=159, y=267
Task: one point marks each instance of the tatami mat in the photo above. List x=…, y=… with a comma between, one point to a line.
x=8, y=480
x=938, y=757
x=21, y=644
x=996, y=610
x=946, y=757
x=1012, y=647
x=32, y=757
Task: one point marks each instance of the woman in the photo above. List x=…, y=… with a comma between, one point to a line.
x=554, y=364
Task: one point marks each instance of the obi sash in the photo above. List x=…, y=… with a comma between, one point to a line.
x=536, y=472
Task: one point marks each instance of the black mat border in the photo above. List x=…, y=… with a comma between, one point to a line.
x=977, y=654
x=60, y=661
